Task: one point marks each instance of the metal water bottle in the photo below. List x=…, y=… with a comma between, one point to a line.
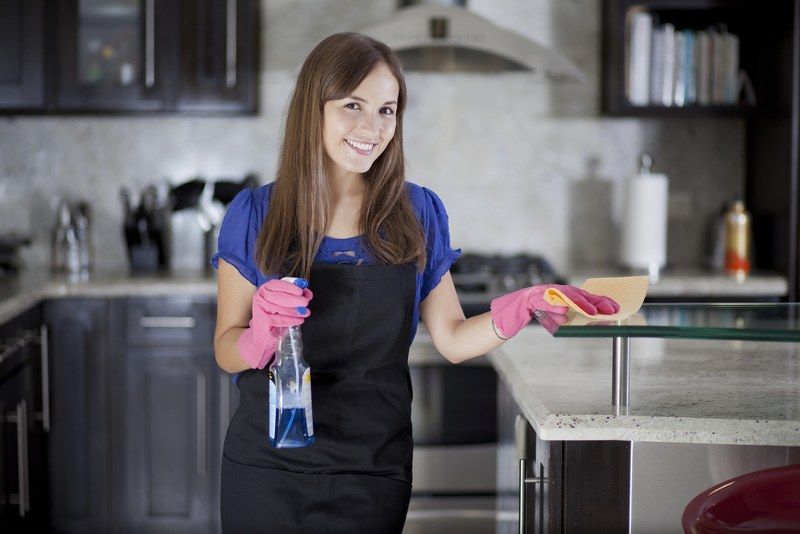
x=291, y=422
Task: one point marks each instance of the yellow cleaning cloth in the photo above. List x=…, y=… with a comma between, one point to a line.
x=627, y=291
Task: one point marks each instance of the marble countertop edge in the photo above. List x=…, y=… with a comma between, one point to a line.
x=553, y=426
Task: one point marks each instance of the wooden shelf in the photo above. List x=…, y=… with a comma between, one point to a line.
x=765, y=52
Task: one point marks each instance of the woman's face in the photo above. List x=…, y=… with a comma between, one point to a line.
x=357, y=128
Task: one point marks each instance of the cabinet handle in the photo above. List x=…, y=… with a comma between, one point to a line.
x=520, y=437
x=22, y=457
x=45, y=354
x=230, y=44
x=224, y=408
x=150, y=44
x=167, y=322
x=201, y=424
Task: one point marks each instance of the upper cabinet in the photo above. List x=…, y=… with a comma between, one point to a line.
x=218, y=55
x=127, y=56
x=111, y=55
x=22, y=54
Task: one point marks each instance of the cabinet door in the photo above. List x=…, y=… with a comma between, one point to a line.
x=228, y=395
x=112, y=54
x=21, y=54
x=218, y=55
x=169, y=439
x=79, y=414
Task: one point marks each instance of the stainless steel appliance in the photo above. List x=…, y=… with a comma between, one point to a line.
x=454, y=409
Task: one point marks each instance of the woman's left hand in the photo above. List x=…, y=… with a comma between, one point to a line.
x=512, y=312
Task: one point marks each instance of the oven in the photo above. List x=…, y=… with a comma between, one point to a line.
x=454, y=418
x=454, y=408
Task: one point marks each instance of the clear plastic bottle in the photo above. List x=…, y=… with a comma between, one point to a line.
x=290, y=422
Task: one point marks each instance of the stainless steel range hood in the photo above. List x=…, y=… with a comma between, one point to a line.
x=446, y=36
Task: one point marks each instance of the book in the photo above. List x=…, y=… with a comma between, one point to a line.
x=703, y=59
x=679, y=75
x=656, y=66
x=689, y=67
x=668, y=68
x=718, y=63
x=731, y=74
x=638, y=55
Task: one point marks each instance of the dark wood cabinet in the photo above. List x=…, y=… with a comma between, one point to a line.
x=80, y=438
x=129, y=56
x=218, y=55
x=24, y=501
x=112, y=56
x=765, y=51
x=173, y=407
x=22, y=67
x=168, y=426
x=113, y=415
x=558, y=486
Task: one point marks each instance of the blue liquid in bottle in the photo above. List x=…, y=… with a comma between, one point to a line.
x=289, y=413
x=291, y=429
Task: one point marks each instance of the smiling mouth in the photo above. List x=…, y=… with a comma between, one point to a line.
x=365, y=149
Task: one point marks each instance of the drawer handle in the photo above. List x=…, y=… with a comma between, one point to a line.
x=167, y=322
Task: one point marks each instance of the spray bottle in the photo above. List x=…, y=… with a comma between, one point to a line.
x=290, y=422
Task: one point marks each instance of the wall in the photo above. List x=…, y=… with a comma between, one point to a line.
x=523, y=165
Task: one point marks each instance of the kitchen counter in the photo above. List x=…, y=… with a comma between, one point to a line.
x=682, y=391
x=692, y=282
x=20, y=293
x=25, y=291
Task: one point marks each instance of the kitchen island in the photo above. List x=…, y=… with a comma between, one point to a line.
x=701, y=411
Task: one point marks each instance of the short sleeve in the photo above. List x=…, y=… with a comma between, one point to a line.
x=440, y=255
x=237, y=236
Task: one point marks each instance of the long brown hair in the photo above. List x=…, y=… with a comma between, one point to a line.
x=301, y=203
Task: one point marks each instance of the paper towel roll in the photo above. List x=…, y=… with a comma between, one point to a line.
x=644, y=222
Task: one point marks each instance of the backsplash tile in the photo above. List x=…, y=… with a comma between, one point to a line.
x=522, y=165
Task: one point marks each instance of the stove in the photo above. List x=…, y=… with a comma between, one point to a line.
x=479, y=278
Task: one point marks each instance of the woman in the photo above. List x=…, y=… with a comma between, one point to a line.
x=376, y=251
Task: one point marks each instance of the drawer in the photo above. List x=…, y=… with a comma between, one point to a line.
x=169, y=321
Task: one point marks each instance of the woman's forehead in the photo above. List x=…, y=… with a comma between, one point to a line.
x=380, y=86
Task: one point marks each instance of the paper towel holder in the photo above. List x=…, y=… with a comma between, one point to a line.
x=644, y=222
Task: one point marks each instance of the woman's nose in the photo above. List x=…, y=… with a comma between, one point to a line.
x=370, y=124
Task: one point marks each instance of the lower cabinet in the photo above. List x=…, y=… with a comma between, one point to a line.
x=558, y=486
x=80, y=353
x=139, y=412
x=167, y=427
x=24, y=503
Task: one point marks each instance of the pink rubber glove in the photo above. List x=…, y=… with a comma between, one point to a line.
x=512, y=312
x=276, y=304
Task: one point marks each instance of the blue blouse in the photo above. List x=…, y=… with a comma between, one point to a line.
x=247, y=211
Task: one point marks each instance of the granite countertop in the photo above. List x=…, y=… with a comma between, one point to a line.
x=20, y=293
x=692, y=282
x=682, y=391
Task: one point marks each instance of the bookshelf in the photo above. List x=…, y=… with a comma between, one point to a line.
x=765, y=52
x=769, y=50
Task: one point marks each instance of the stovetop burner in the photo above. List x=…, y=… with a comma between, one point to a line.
x=493, y=274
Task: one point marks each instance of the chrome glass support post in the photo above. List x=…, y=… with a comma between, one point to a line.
x=621, y=372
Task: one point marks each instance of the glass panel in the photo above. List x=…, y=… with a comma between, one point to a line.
x=757, y=321
x=109, y=42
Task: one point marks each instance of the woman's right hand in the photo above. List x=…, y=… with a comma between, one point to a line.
x=276, y=304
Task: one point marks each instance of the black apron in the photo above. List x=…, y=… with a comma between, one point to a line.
x=356, y=476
